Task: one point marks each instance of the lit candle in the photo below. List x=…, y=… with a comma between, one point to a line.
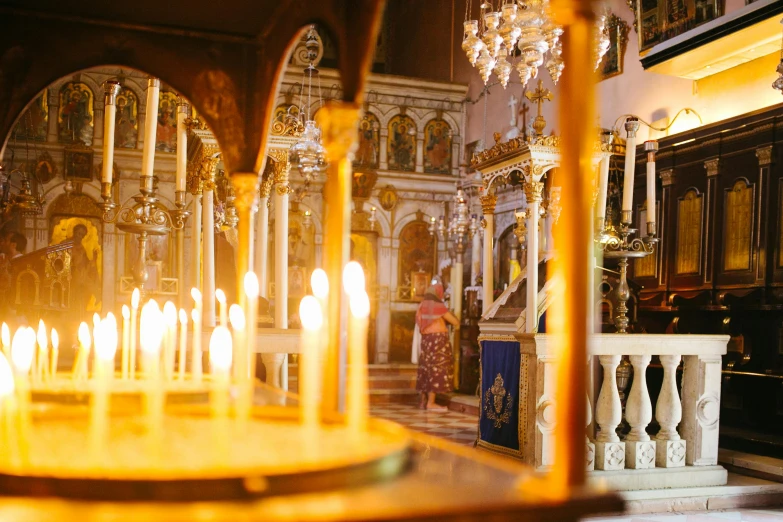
x=245, y=397
x=221, y=298
x=43, y=353
x=357, y=394
x=651, y=147
x=311, y=316
x=22, y=355
x=248, y=352
x=320, y=285
x=353, y=278
x=220, y=354
x=195, y=362
x=631, y=126
x=8, y=440
x=5, y=336
x=82, y=352
x=183, y=343
x=150, y=337
x=112, y=89
x=124, y=361
x=103, y=370
x=55, y=353
x=170, y=350
x=135, y=296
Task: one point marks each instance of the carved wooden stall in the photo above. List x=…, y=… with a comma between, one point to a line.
x=719, y=264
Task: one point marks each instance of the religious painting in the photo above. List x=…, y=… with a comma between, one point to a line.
x=661, y=20
x=86, y=260
x=78, y=163
x=401, y=336
x=166, y=137
x=368, y=152
x=76, y=113
x=363, y=183
x=126, y=128
x=388, y=198
x=402, y=143
x=437, y=147
x=612, y=62
x=297, y=278
x=416, y=255
x=45, y=168
x=420, y=281
x=34, y=122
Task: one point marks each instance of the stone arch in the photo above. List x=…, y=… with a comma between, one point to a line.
x=433, y=115
x=401, y=222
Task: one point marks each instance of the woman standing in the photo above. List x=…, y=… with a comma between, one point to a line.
x=435, y=360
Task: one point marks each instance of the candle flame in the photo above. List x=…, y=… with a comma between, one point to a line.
x=220, y=349
x=237, y=317
x=106, y=340
x=320, y=283
x=310, y=313
x=183, y=316
x=42, y=341
x=195, y=294
x=125, y=312
x=220, y=295
x=151, y=331
x=170, y=314
x=22, y=347
x=353, y=278
x=6, y=335
x=84, y=336
x=194, y=315
x=135, y=296
x=96, y=320
x=360, y=305
x=251, y=285
x=6, y=377
x=55, y=339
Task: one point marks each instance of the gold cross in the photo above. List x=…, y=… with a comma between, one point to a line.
x=539, y=96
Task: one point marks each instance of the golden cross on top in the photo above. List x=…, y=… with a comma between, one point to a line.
x=539, y=96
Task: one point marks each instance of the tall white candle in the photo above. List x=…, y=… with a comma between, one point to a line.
x=238, y=329
x=22, y=355
x=603, y=184
x=353, y=278
x=631, y=127
x=195, y=361
x=150, y=336
x=124, y=356
x=135, y=296
x=220, y=356
x=105, y=350
x=7, y=411
x=319, y=282
x=42, y=367
x=55, y=353
x=220, y=295
x=183, y=110
x=358, y=394
x=651, y=147
x=112, y=89
x=81, y=368
x=311, y=315
x=183, y=344
x=170, y=348
x=249, y=351
x=150, y=131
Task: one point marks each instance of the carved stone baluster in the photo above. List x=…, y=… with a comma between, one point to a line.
x=590, y=449
x=640, y=450
x=701, y=376
x=609, y=451
x=669, y=448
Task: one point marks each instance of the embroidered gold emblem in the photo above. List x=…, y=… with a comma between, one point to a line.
x=498, y=403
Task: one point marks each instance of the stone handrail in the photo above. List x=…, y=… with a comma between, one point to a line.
x=688, y=435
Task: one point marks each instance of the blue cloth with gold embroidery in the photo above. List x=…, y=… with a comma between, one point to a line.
x=499, y=419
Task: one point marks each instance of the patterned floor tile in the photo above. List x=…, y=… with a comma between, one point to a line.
x=449, y=425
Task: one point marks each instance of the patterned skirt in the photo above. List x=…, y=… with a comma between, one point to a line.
x=435, y=364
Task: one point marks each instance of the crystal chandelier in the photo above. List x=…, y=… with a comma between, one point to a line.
x=491, y=42
x=461, y=226
x=308, y=155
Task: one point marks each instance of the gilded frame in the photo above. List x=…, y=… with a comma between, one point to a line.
x=612, y=62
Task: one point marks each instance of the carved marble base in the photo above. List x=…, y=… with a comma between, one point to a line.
x=609, y=456
x=273, y=362
x=590, y=456
x=669, y=453
x=639, y=454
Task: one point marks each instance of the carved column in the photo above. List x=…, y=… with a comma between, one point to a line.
x=609, y=451
x=533, y=194
x=261, y=258
x=475, y=258
x=669, y=447
x=338, y=123
x=420, y=152
x=384, y=163
x=208, y=231
x=701, y=375
x=195, y=237
x=712, y=167
x=666, y=244
x=488, y=203
x=246, y=190
x=281, y=190
x=639, y=449
x=764, y=155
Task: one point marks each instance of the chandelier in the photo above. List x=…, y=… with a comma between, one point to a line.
x=461, y=226
x=23, y=201
x=308, y=154
x=491, y=42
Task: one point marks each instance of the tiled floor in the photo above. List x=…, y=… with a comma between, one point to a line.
x=747, y=515
x=450, y=425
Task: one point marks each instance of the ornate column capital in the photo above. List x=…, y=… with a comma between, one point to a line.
x=488, y=203
x=265, y=188
x=534, y=191
x=111, y=90
x=338, y=128
x=764, y=155
x=280, y=169
x=668, y=177
x=712, y=166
